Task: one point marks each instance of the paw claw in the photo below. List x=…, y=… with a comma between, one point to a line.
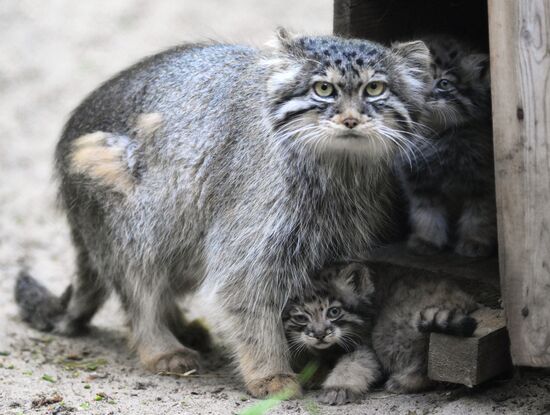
x=338, y=396
x=285, y=384
x=181, y=361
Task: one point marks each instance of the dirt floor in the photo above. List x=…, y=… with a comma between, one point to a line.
x=51, y=54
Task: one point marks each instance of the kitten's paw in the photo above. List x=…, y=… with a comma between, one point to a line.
x=392, y=385
x=285, y=384
x=409, y=383
x=338, y=396
x=474, y=249
x=179, y=361
x=419, y=246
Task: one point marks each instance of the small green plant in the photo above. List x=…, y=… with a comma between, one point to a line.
x=48, y=378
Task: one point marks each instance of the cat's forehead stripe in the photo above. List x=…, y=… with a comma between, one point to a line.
x=341, y=52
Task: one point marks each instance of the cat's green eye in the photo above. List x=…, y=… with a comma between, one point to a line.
x=375, y=88
x=333, y=312
x=300, y=318
x=323, y=89
x=444, y=84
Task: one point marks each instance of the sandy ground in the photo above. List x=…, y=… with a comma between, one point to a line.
x=51, y=54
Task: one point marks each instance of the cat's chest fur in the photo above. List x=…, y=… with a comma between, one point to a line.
x=336, y=212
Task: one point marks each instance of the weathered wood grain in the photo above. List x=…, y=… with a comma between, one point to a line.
x=471, y=360
x=520, y=73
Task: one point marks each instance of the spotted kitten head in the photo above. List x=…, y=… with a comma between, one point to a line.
x=336, y=314
x=346, y=94
x=461, y=85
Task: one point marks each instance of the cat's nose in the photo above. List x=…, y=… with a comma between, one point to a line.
x=350, y=122
x=319, y=334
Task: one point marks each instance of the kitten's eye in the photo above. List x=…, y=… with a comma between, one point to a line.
x=300, y=318
x=333, y=312
x=375, y=88
x=444, y=84
x=323, y=89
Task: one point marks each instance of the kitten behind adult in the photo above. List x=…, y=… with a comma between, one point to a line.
x=361, y=329
x=450, y=181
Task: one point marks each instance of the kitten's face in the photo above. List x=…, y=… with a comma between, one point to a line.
x=460, y=89
x=334, y=314
x=320, y=322
x=348, y=95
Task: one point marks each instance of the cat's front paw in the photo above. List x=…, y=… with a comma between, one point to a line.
x=338, y=396
x=178, y=361
x=474, y=249
x=284, y=384
x=419, y=246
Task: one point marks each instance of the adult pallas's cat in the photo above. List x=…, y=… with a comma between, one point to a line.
x=266, y=165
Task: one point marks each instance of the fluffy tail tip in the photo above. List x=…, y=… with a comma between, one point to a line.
x=453, y=322
x=37, y=305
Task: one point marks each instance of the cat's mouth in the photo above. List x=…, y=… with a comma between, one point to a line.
x=347, y=135
x=322, y=345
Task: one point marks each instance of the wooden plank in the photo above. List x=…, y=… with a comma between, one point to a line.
x=471, y=361
x=342, y=17
x=477, y=276
x=385, y=21
x=520, y=73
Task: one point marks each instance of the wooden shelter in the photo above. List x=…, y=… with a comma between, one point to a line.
x=516, y=33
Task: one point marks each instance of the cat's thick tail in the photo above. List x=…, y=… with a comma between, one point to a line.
x=37, y=305
x=448, y=321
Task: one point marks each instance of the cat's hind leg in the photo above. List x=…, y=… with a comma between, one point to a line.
x=409, y=380
x=476, y=234
x=149, y=303
x=429, y=224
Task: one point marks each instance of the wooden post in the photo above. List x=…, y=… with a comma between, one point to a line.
x=520, y=73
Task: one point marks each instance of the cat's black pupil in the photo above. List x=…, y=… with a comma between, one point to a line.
x=324, y=87
x=444, y=83
x=333, y=312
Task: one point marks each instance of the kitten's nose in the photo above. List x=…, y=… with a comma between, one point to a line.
x=350, y=122
x=321, y=334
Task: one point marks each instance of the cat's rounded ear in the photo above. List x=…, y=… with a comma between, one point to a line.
x=284, y=41
x=358, y=277
x=477, y=64
x=416, y=54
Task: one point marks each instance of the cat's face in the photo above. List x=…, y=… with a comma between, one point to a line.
x=461, y=85
x=347, y=95
x=335, y=313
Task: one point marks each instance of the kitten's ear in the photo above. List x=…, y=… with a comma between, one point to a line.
x=416, y=54
x=357, y=277
x=478, y=65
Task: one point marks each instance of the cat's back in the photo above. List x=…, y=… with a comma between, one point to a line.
x=178, y=83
